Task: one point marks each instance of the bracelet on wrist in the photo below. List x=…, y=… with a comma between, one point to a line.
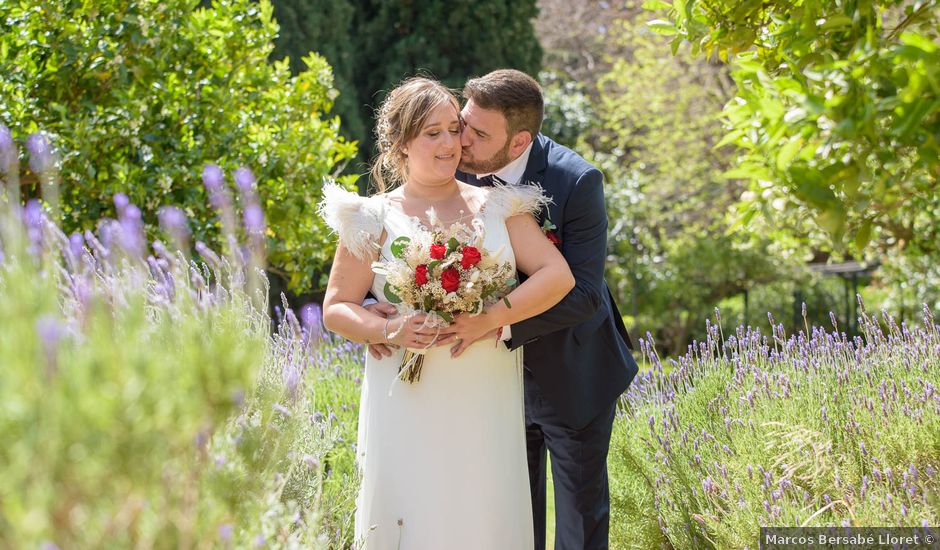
x=385, y=331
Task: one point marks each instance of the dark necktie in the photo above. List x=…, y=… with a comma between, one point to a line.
x=490, y=180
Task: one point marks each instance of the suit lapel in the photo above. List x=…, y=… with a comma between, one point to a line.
x=538, y=161
x=535, y=172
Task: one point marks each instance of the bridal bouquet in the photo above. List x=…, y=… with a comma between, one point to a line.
x=442, y=273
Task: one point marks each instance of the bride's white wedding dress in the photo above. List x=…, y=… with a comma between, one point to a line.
x=443, y=460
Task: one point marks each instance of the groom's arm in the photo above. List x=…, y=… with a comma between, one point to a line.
x=584, y=246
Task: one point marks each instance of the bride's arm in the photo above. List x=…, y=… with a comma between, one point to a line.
x=549, y=280
x=350, y=280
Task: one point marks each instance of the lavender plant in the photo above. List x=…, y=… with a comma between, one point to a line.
x=751, y=430
x=144, y=399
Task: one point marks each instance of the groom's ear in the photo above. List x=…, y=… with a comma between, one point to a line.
x=520, y=140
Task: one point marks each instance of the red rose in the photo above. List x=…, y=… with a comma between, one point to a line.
x=438, y=251
x=553, y=237
x=421, y=275
x=450, y=279
x=470, y=258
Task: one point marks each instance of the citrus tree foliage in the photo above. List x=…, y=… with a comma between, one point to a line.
x=137, y=95
x=667, y=201
x=837, y=111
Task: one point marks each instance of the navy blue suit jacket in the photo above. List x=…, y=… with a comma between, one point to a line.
x=578, y=351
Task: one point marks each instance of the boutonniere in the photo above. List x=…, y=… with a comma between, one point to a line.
x=549, y=229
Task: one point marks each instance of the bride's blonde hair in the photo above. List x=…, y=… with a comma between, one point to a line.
x=399, y=120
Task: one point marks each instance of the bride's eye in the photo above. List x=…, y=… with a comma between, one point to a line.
x=434, y=133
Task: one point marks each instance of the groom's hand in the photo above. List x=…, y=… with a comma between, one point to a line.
x=384, y=310
x=468, y=329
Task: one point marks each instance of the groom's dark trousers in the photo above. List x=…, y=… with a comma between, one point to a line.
x=577, y=357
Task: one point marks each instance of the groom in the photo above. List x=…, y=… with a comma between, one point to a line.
x=577, y=354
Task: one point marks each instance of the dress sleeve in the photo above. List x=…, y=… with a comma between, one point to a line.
x=506, y=201
x=356, y=220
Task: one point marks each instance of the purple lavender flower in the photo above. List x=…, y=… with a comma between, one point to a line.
x=50, y=332
x=281, y=409
x=132, y=231
x=120, y=202
x=292, y=377
x=33, y=218
x=225, y=532
x=109, y=232
x=213, y=179
x=254, y=219
x=311, y=315
x=245, y=181
x=707, y=485
x=173, y=221
x=8, y=153
x=311, y=462
x=41, y=158
x=76, y=245
x=32, y=215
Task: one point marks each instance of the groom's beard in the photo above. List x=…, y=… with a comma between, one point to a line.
x=488, y=166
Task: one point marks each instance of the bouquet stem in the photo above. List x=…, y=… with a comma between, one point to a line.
x=410, y=368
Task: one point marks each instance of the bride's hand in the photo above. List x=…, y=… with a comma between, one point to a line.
x=468, y=329
x=411, y=332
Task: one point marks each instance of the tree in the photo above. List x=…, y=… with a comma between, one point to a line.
x=837, y=112
x=137, y=95
x=653, y=124
x=667, y=200
x=326, y=27
x=448, y=40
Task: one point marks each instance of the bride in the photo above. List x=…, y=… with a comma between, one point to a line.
x=443, y=460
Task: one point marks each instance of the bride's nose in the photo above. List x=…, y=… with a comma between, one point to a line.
x=452, y=141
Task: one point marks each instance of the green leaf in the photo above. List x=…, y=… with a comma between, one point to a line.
x=786, y=153
x=506, y=301
x=390, y=294
x=452, y=245
x=730, y=137
x=445, y=316
x=836, y=22
x=399, y=245
x=511, y=283
x=918, y=41
x=863, y=237
x=662, y=27
x=654, y=5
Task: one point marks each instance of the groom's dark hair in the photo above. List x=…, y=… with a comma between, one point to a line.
x=513, y=93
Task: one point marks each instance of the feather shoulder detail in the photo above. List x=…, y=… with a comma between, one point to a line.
x=506, y=200
x=356, y=220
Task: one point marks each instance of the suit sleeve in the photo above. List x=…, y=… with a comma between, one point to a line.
x=584, y=246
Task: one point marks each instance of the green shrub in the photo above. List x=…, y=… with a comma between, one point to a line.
x=137, y=95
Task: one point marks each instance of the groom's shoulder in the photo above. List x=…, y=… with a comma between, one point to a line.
x=562, y=160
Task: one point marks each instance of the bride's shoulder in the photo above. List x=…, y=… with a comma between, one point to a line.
x=511, y=200
x=356, y=220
